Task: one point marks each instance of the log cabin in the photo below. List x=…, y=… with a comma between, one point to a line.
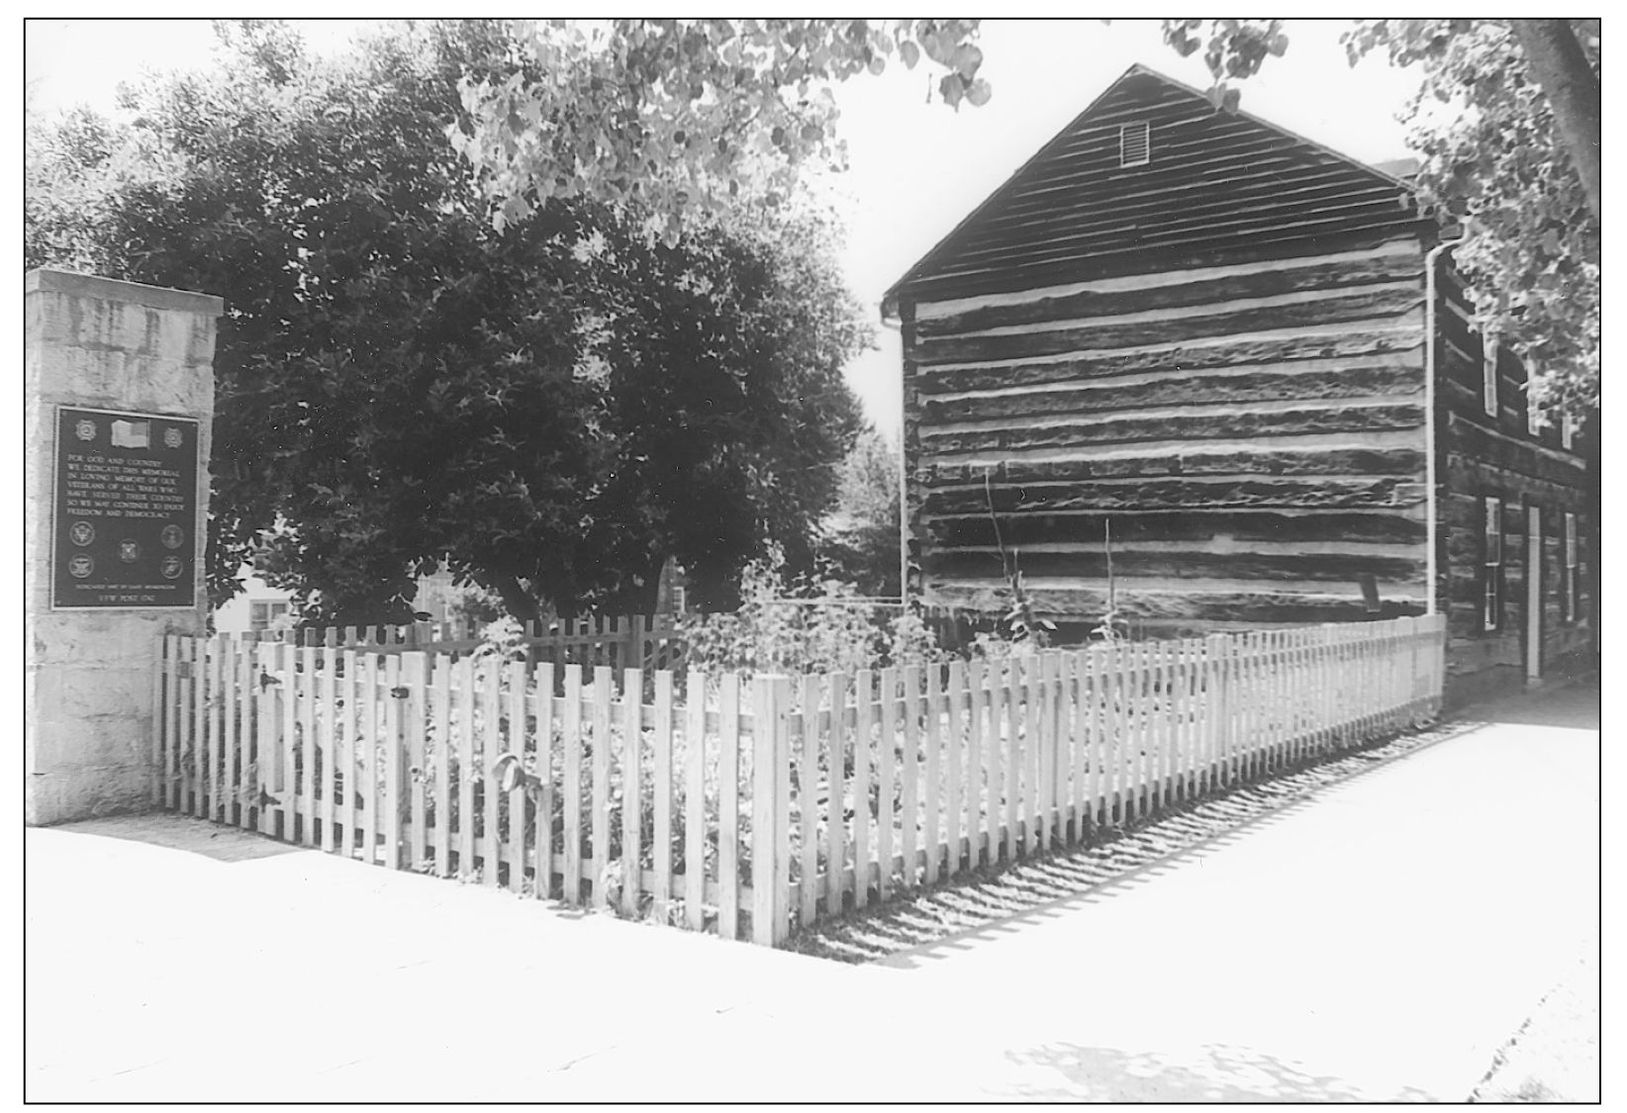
x=1247, y=355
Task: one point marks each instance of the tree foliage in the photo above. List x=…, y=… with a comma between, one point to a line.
x=792, y=624
x=410, y=372
x=1233, y=49
x=682, y=115
x=1506, y=128
x=550, y=411
x=1497, y=163
x=861, y=534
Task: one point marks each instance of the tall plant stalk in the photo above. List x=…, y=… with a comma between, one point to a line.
x=1026, y=627
x=1108, y=631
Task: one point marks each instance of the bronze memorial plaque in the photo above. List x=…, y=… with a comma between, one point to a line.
x=126, y=494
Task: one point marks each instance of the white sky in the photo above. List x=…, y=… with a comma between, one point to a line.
x=916, y=168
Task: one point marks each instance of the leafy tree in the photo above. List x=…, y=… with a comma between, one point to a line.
x=705, y=439
x=1501, y=165
x=1513, y=159
x=861, y=535
x=684, y=114
x=551, y=411
x=680, y=113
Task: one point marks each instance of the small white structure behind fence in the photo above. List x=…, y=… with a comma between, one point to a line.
x=749, y=805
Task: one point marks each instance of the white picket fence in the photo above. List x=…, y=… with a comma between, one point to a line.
x=748, y=805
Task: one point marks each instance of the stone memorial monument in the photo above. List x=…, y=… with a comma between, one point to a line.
x=120, y=396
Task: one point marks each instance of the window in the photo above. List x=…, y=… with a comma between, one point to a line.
x=1135, y=144
x=1571, y=590
x=1488, y=374
x=1534, y=420
x=1567, y=432
x=1492, y=610
x=265, y=615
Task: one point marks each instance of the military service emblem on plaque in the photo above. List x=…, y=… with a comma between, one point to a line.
x=125, y=509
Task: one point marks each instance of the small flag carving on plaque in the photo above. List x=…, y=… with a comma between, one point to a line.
x=132, y=434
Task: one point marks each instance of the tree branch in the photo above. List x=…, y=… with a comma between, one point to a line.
x=519, y=602
x=1556, y=62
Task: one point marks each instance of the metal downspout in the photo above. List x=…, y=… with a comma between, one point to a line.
x=896, y=325
x=1431, y=520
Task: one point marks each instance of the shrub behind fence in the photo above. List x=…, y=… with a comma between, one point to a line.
x=646, y=642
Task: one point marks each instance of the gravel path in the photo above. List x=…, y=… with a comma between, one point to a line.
x=989, y=895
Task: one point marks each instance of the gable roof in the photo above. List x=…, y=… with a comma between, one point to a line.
x=1216, y=183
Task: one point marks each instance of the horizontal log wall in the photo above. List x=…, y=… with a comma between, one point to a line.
x=1483, y=456
x=1253, y=431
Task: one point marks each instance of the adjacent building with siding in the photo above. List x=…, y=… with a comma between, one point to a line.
x=1249, y=354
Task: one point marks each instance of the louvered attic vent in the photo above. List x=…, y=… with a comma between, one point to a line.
x=1135, y=146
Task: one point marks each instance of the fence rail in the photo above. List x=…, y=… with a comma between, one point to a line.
x=742, y=805
x=646, y=642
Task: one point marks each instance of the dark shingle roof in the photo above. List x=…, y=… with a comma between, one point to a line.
x=1217, y=183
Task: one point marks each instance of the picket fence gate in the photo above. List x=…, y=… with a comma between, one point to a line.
x=743, y=805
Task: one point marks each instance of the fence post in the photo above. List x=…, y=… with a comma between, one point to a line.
x=1437, y=664
x=1042, y=732
x=1219, y=708
x=193, y=706
x=1332, y=706
x=695, y=797
x=1403, y=670
x=1438, y=660
x=288, y=802
x=635, y=646
x=394, y=779
x=770, y=811
x=265, y=731
x=414, y=671
x=156, y=769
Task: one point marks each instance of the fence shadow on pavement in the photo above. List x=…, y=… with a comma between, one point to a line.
x=1222, y=1073
x=194, y=836
x=1060, y=888
x=941, y=921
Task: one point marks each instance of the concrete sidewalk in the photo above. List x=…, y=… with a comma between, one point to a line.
x=1382, y=940
x=1379, y=941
